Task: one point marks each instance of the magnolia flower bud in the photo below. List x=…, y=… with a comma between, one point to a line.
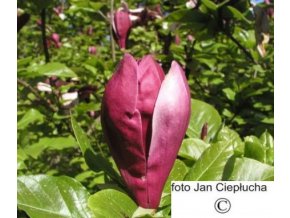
x=177, y=40
x=204, y=131
x=56, y=40
x=90, y=30
x=144, y=118
x=270, y=11
x=121, y=26
x=92, y=50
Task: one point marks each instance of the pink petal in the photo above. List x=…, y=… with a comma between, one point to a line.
x=170, y=120
x=122, y=126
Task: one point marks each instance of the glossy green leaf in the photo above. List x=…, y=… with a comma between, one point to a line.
x=84, y=107
x=209, y=4
x=52, y=197
x=177, y=173
x=235, y=13
x=51, y=143
x=227, y=134
x=202, y=113
x=95, y=161
x=192, y=148
x=21, y=157
x=246, y=169
x=49, y=69
x=31, y=116
x=164, y=209
x=261, y=149
x=110, y=203
x=211, y=164
x=268, y=142
x=254, y=148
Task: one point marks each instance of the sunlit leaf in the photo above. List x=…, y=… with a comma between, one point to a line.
x=192, y=148
x=211, y=164
x=96, y=162
x=31, y=116
x=51, y=143
x=52, y=197
x=202, y=113
x=110, y=203
x=246, y=169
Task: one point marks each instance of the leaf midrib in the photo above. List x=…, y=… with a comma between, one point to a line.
x=211, y=163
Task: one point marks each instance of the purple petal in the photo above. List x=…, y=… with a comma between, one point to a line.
x=122, y=25
x=150, y=77
x=122, y=126
x=170, y=120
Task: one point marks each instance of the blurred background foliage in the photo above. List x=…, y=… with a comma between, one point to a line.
x=218, y=43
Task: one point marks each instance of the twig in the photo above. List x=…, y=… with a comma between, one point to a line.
x=103, y=16
x=111, y=32
x=37, y=95
x=43, y=33
x=199, y=85
x=188, y=52
x=92, y=128
x=247, y=53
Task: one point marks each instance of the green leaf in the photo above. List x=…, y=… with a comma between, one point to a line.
x=23, y=62
x=110, y=203
x=260, y=149
x=254, y=149
x=97, y=5
x=49, y=69
x=211, y=164
x=209, y=4
x=229, y=93
x=246, y=169
x=81, y=137
x=192, y=148
x=202, y=113
x=30, y=117
x=80, y=3
x=84, y=107
x=222, y=3
x=268, y=142
x=52, y=143
x=52, y=197
x=21, y=157
x=177, y=173
x=227, y=134
x=165, y=202
x=235, y=13
x=95, y=161
x=87, y=5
